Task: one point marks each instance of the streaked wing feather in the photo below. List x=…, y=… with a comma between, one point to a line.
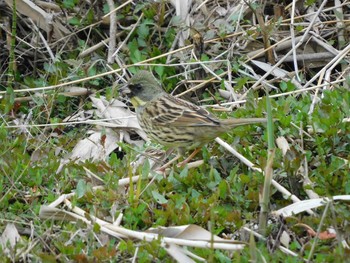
x=176, y=112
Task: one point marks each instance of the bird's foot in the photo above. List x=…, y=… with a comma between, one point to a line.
x=189, y=158
x=165, y=166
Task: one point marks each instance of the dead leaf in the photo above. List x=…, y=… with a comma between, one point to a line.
x=9, y=238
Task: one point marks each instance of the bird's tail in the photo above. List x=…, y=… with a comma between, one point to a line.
x=232, y=122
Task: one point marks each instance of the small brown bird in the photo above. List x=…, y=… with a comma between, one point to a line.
x=174, y=122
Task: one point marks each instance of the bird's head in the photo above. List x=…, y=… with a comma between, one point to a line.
x=141, y=88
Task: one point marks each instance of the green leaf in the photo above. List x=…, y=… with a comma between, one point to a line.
x=146, y=168
x=159, y=70
x=135, y=53
x=96, y=228
x=184, y=172
x=69, y=4
x=9, y=99
x=160, y=199
x=240, y=82
x=81, y=188
x=143, y=31
x=61, y=98
x=179, y=201
x=74, y=21
x=141, y=42
x=223, y=189
x=90, y=16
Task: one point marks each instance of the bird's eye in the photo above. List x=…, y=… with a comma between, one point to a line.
x=136, y=87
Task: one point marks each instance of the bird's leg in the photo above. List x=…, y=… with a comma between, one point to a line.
x=163, y=167
x=180, y=164
x=189, y=158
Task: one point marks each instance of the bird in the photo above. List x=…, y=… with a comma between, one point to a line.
x=174, y=122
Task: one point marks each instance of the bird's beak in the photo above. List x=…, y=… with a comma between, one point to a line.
x=124, y=90
x=135, y=101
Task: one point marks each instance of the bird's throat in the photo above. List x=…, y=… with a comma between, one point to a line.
x=136, y=101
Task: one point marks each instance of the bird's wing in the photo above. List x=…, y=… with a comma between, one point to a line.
x=176, y=112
